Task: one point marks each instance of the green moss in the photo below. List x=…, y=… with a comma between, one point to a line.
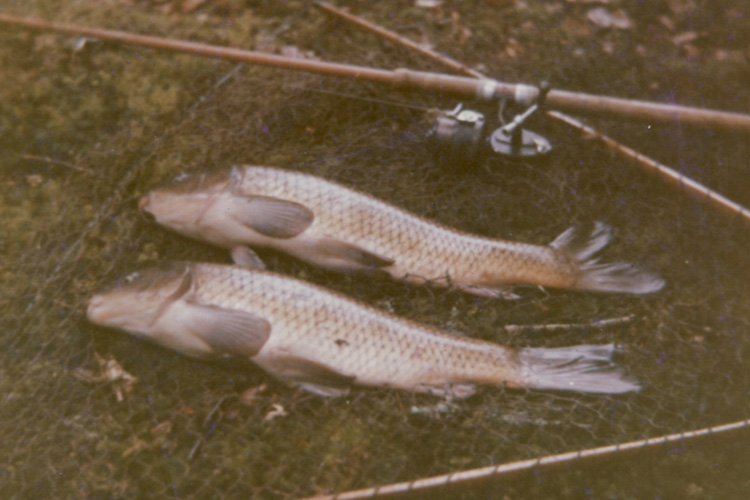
x=345, y=448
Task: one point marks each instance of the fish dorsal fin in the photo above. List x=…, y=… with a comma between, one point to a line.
x=243, y=256
x=581, y=242
x=274, y=217
x=352, y=256
x=310, y=375
x=228, y=331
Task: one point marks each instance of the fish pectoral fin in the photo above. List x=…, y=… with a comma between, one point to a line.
x=243, y=256
x=494, y=291
x=352, y=256
x=274, y=217
x=228, y=331
x=310, y=375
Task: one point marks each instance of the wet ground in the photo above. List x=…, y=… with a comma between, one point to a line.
x=87, y=127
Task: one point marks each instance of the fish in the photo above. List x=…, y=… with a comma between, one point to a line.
x=325, y=342
x=329, y=225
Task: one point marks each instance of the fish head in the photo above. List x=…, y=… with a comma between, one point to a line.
x=180, y=204
x=135, y=304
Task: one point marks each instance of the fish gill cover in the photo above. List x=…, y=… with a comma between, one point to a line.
x=90, y=413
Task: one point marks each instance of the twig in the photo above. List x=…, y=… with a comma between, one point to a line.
x=52, y=161
x=570, y=326
x=205, y=426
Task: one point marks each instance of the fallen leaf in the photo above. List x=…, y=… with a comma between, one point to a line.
x=428, y=4
x=34, y=180
x=731, y=56
x=85, y=375
x=603, y=18
x=138, y=445
x=678, y=7
x=45, y=42
x=685, y=37
x=464, y=36
x=576, y=28
x=458, y=32
x=276, y=411
x=667, y=22
x=111, y=372
x=250, y=396
x=295, y=53
x=162, y=429
x=691, y=50
x=81, y=42
x=165, y=9
x=513, y=49
x=190, y=5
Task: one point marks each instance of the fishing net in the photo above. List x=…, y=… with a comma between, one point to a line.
x=74, y=425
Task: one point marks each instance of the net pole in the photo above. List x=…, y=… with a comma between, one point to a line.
x=476, y=478
x=670, y=176
x=487, y=89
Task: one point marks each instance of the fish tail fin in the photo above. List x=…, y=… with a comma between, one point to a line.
x=582, y=368
x=580, y=244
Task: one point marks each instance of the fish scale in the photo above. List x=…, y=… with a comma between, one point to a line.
x=415, y=244
x=302, y=315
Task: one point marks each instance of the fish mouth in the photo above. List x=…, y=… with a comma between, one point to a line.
x=144, y=206
x=95, y=312
x=144, y=202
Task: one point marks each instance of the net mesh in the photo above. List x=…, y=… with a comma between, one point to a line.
x=192, y=430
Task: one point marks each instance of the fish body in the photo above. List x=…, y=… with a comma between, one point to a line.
x=325, y=342
x=329, y=225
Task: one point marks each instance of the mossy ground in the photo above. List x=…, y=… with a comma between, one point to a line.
x=83, y=133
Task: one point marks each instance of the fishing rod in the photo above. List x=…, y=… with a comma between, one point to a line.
x=459, y=132
x=494, y=474
x=483, y=89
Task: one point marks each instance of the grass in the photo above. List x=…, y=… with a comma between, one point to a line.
x=113, y=121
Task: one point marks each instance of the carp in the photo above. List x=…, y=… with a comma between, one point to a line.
x=325, y=342
x=337, y=228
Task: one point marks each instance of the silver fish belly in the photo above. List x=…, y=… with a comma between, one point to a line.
x=325, y=342
x=337, y=228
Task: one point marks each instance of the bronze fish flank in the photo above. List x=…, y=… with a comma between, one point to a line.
x=325, y=342
x=334, y=227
